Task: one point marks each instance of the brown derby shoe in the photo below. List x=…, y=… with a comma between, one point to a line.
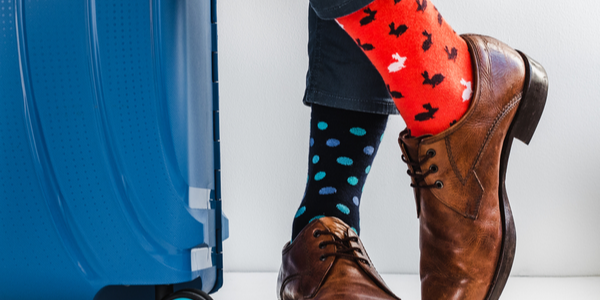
x=467, y=234
x=327, y=260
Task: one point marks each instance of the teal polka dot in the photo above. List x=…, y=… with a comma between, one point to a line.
x=358, y=131
x=315, y=159
x=343, y=208
x=368, y=169
x=352, y=180
x=354, y=230
x=381, y=138
x=300, y=211
x=322, y=125
x=319, y=176
x=345, y=161
x=316, y=218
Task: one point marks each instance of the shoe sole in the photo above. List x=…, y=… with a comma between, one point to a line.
x=522, y=127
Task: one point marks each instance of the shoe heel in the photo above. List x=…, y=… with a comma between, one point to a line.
x=533, y=100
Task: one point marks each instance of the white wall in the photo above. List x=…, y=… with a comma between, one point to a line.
x=553, y=184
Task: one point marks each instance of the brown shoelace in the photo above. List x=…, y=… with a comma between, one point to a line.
x=418, y=175
x=343, y=247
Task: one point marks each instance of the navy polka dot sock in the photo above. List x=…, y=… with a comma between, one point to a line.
x=343, y=145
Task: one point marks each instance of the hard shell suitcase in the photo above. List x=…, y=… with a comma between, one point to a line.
x=109, y=149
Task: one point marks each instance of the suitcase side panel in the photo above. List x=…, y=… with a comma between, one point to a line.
x=88, y=111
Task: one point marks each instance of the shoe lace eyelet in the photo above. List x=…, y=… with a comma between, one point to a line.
x=433, y=168
x=431, y=153
x=321, y=246
x=322, y=258
x=316, y=233
x=439, y=184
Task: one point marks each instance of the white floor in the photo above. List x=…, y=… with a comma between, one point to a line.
x=250, y=286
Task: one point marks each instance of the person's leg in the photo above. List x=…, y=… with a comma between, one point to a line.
x=425, y=64
x=343, y=144
x=339, y=74
x=331, y=9
x=350, y=104
x=467, y=235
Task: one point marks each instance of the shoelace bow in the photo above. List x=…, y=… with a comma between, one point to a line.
x=343, y=248
x=418, y=175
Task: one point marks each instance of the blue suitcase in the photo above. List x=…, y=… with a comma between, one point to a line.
x=109, y=149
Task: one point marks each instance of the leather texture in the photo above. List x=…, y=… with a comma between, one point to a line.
x=308, y=273
x=459, y=212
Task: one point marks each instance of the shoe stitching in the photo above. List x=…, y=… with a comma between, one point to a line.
x=507, y=108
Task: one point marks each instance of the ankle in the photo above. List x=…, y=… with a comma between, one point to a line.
x=425, y=64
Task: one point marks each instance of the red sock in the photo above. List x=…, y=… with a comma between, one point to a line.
x=425, y=64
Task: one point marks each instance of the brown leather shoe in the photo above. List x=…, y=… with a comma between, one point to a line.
x=467, y=234
x=328, y=261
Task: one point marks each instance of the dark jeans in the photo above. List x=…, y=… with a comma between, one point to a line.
x=331, y=9
x=339, y=74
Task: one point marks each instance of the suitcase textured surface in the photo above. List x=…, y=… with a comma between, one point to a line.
x=109, y=156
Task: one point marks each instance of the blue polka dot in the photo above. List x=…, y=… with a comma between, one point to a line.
x=322, y=125
x=369, y=150
x=352, y=180
x=315, y=159
x=312, y=142
x=354, y=230
x=345, y=161
x=355, y=200
x=343, y=208
x=332, y=143
x=327, y=191
x=319, y=176
x=300, y=211
x=358, y=131
x=368, y=169
x=316, y=218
